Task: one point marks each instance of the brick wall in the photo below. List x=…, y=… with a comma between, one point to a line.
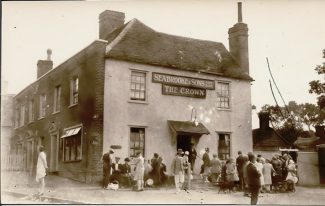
x=88, y=65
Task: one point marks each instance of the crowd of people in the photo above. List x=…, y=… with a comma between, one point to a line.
x=248, y=173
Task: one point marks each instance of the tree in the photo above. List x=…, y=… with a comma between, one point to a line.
x=317, y=86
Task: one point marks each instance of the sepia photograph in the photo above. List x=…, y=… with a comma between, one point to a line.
x=163, y=102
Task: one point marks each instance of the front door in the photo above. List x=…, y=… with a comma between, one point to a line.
x=30, y=156
x=54, y=153
x=184, y=142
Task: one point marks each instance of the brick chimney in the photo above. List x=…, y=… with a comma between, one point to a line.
x=264, y=120
x=43, y=66
x=238, y=41
x=109, y=21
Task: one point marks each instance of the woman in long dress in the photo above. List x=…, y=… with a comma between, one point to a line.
x=139, y=171
x=267, y=173
x=41, y=170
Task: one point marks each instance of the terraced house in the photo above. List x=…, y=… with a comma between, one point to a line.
x=142, y=90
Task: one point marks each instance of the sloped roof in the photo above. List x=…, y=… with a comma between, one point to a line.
x=137, y=42
x=268, y=138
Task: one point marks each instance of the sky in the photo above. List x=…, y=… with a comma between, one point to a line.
x=290, y=33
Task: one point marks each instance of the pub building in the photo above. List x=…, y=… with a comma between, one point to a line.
x=138, y=89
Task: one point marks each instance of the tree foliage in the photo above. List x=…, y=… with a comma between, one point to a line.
x=295, y=115
x=318, y=86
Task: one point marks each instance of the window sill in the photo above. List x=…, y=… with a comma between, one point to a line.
x=73, y=105
x=72, y=161
x=138, y=102
x=224, y=109
x=29, y=123
x=56, y=112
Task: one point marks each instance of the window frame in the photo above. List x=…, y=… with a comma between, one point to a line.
x=17, y=116
x=31, y=110
x=229, y=147
x=57, y=99
x=229, y=95
x=73, y=100
x=22, y=114
x=146, y=86
x=80, y=133
x=143, y=149
x=42, y=106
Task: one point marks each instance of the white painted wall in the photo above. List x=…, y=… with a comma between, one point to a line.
x=120, y=113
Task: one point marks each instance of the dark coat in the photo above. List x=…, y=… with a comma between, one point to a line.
x=253, y=176
x=240, y=163
x=107, y=163
x=206, y=160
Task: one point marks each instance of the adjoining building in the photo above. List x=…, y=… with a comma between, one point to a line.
x=142, y=90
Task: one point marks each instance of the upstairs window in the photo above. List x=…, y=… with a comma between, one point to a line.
x=42, y=106
x=138, y=86
x=223, y=95
x=74, y=90
x=17, y=117
x=57, y=99
x=22, y=115
x=31, y=111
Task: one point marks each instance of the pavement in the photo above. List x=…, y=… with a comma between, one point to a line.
x=66, y=191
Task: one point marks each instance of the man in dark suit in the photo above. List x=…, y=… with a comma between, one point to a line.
x=240, y=163
x=107, y=167
x=253, y=178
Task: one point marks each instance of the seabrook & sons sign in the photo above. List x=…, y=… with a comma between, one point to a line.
x=183, y=86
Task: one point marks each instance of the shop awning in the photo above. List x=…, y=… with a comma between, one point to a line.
x=187, y=127
x=71, y=132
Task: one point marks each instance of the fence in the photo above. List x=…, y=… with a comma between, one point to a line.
x=13, y=162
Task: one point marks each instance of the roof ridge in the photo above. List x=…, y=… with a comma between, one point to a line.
x=190, y=38
x=118, y=38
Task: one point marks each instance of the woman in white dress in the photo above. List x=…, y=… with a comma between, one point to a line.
x=41, y=170
x=139, y=171
x=259, y=164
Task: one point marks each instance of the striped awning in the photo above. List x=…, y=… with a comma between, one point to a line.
x=71, y=132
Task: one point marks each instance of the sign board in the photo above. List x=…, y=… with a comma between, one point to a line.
x=183, y=91
x=183, y=81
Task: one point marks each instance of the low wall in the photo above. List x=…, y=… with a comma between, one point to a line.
x=308, y=168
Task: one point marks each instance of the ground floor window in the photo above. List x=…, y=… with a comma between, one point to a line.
x=137, y=140
x=72, y=144
x=224, y=146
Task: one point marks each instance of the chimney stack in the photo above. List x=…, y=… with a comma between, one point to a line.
x=109, y=21
x=43, y=66
x=238, y=41
x=264, y=120
x=240, y=15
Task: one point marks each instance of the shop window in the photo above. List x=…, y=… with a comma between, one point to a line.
x=57, y=99
x=74, y=91
x=224, y=146
x=223, y=95
x=137, y=140
x=42, y=106
x=72, y=144
x=138, y=86
x=31, y=111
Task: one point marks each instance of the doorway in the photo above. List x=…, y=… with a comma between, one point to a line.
x=54, y=154
x=184, y=142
